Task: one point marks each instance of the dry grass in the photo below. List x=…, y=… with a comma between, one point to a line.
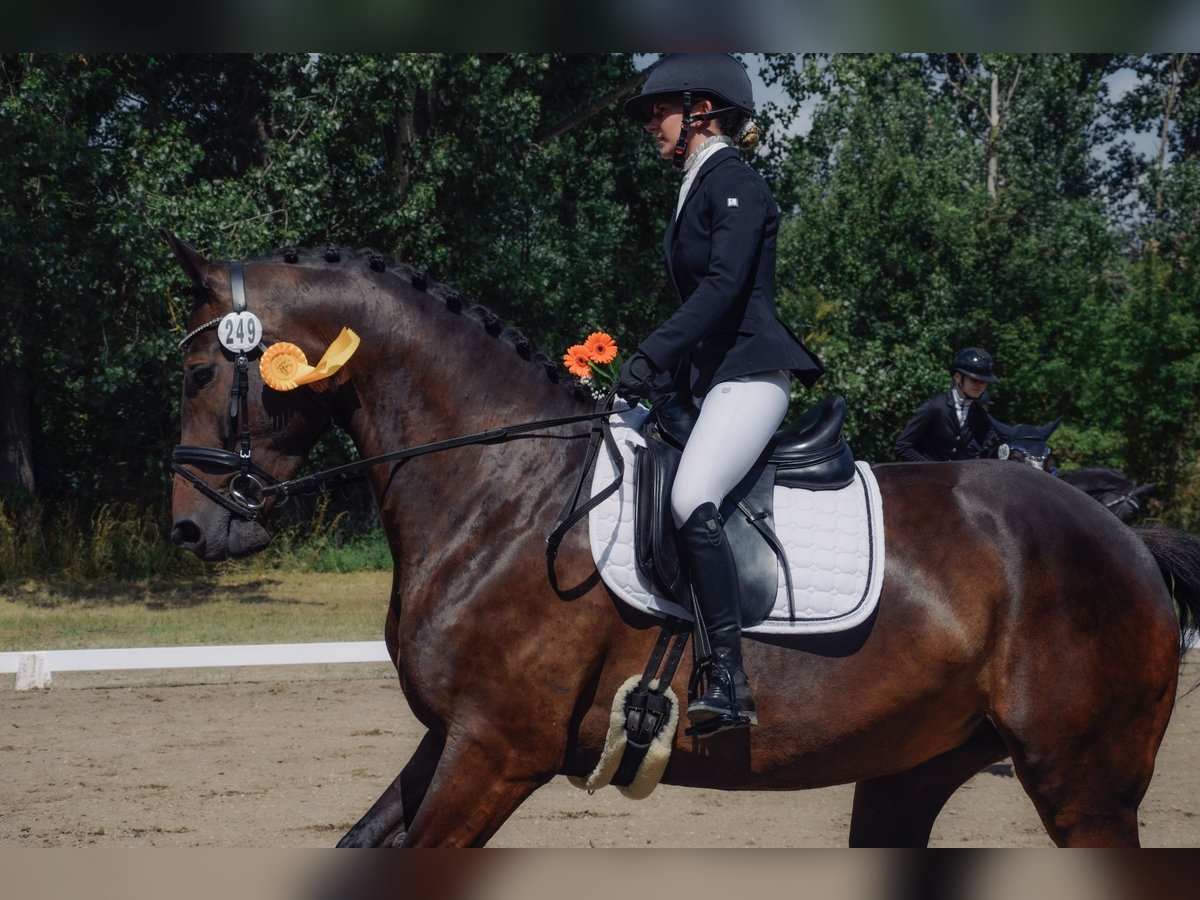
x=234, y=606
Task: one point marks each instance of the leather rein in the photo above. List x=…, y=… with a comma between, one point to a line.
x=251, y=486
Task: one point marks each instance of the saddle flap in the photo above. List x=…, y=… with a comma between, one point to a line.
x=747, y=516
x=654, y=538
x=749, y=527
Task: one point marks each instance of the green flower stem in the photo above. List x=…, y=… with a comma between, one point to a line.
x=604, y=375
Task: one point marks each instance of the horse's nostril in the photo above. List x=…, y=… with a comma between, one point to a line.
x=185, y=532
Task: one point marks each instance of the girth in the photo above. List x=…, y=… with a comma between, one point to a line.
x=812, y=454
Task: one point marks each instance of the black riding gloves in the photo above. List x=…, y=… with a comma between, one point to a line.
x=635, y=381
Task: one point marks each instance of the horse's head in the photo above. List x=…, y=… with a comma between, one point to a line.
x=1126, y=504
x=239, y=435
x=1122, y=496
x=1026, y=443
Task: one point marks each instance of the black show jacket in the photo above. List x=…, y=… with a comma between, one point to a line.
x=933, y=433
x=720, y=253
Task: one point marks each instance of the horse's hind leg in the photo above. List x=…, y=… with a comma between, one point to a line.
x=899, y=810
x=386, y=822
x=1087, y=787
x=1084, y=752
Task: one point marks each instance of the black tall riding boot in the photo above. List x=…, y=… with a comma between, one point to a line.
x=714, y=581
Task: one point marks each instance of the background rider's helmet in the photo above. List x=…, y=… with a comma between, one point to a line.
x=718, y=74
x=975, y=362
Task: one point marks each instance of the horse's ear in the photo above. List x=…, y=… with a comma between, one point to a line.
x=1043, y=433
x=197, y=267
x=1006, y=431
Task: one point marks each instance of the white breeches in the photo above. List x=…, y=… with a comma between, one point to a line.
x=737, y=419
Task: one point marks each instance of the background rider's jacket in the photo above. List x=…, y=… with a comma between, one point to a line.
x=720, y=254
x=933, y=433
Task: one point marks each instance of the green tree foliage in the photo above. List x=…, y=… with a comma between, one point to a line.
x=91, y=348
x=436, y=159
x=920, y=215
x=901, y=246
x=1156, y=321
x=871, y=256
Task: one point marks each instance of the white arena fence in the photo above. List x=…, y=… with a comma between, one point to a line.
x=34, y=669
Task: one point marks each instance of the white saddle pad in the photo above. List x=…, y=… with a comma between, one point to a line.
x=833, y=540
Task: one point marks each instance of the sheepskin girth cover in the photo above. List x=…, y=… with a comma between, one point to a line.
x=650, y=771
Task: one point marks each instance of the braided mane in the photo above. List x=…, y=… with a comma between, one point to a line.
x=449, y=295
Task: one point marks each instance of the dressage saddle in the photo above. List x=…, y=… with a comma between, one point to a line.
x=812, y=454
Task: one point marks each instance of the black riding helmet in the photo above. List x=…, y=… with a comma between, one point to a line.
x=707, y=73
x=718, y=75
x=975, y=362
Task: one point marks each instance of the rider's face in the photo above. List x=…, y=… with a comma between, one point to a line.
x=971, y=387
x=666, y=118
x=666, y=121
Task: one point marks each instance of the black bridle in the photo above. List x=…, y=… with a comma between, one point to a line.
x=1122, y=500
x=246, y=489
x=251, y=486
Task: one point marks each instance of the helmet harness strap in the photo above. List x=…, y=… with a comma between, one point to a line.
x=681, y=145
x=679, y=156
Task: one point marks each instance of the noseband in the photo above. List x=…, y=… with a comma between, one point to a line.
x=1121, y=500
x=240, y=334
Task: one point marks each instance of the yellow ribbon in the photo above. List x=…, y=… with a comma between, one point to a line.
x=284, y=366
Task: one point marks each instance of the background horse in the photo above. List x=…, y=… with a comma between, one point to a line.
x=1017, y=617
x=1122, y=496
x=1031, y=444
x=1023, y=443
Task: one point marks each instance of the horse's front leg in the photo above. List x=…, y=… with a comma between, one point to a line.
x=386, y=822
x=481, y=779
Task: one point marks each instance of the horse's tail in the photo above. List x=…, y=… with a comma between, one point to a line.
x=1178, y=557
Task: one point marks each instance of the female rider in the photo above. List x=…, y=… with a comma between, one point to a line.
x=724, y=345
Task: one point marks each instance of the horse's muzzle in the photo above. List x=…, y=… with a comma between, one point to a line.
x=238, y=540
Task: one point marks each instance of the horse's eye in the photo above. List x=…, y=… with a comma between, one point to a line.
x=199, y=377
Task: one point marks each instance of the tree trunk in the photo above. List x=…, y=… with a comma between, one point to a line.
x=1164, y=134
x=16, y=430
x=405, y=135
x=993, y=136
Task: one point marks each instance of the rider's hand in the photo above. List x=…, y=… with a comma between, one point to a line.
x=635, y=381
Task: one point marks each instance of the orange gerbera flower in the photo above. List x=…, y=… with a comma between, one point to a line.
x=576, y=360
x=601, y=347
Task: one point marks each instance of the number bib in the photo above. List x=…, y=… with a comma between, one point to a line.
x=240, y=332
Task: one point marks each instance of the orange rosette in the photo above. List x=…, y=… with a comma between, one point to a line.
x=280, y=365
x=284, y=366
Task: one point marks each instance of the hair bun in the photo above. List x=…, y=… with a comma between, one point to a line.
x=749, y=135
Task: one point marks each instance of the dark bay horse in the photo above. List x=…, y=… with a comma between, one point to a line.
x=1018, y=618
